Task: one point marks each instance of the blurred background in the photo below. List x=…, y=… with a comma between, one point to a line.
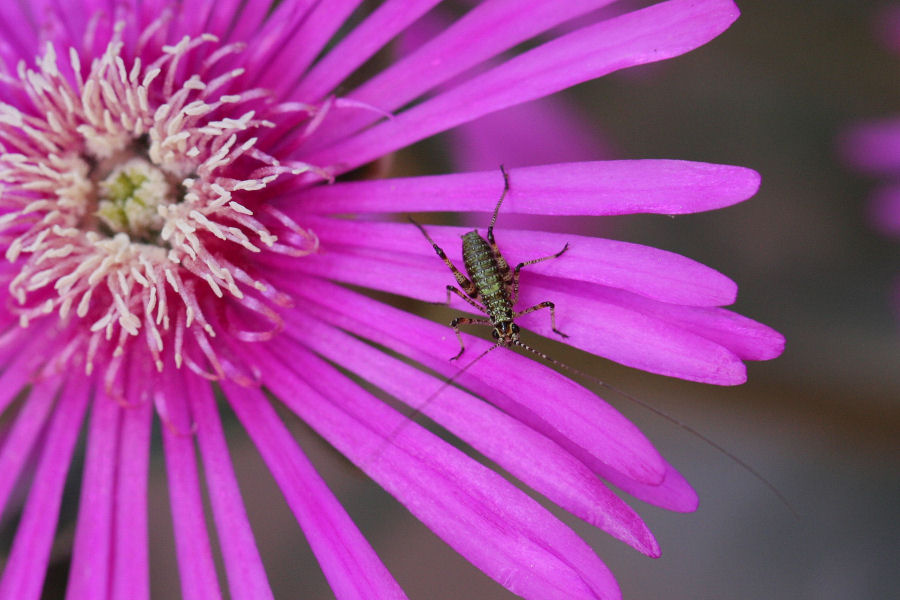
x=821, y=423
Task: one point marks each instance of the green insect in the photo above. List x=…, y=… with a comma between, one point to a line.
x=491, y=287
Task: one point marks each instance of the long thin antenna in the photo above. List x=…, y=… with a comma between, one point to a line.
x=446, y=383
x=667, y=417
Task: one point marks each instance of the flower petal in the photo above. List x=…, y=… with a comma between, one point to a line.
x=489, y=29
x=884, y=210
x=131, y=560
x=649, y=35
x=674, y=493
x=348, y=561
x=874, y=147
x=657, y=274
x=246, y=575
x=526, y=454
x=616, y=332
x=239, y=18
x=557, y=132
x=22, y=355
x=591, y=188
x=385, y=22
x=18, y=444
x=23, y=574
x=294, y=35
x=91, y=555
x=19, y=37
x=192, y=545
x=745, y=337
x=624, y=334
x=505, y=533
x=543, y=399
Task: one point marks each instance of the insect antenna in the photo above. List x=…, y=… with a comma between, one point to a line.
x=444, y=385
x=660, y=413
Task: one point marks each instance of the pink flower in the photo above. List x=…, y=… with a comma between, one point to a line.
x=874, y=147
x=169, y=219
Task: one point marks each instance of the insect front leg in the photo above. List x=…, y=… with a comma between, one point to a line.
x=544, y=304
x=515, y=276
x=464, y=282
x=455, y=323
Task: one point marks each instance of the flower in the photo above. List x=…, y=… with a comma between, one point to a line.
x=174, y=224
x=874, y=147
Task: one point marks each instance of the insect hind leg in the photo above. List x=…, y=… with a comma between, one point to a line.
x=459, y=292
x=544, y=304
x=455, y=323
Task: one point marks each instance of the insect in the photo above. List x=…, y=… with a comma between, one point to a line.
x=491, y=283
x=493, y=289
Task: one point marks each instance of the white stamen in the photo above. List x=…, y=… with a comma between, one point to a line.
x=126, y=211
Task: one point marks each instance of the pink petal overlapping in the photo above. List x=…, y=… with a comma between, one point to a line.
x=244, y=104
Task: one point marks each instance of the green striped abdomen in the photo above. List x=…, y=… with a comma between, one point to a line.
x=483, y=270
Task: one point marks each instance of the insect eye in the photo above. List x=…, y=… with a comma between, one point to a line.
x=495, y=334
x=515, y=328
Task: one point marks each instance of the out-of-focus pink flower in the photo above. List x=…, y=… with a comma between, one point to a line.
x=169, y=220
x=874, y=147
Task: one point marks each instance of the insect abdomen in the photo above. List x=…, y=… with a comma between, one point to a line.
x=482, y=267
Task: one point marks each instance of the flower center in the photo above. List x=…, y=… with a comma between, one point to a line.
x=130, y=198
x=133, y=196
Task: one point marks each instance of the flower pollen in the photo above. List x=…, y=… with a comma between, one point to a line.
x=131, y=201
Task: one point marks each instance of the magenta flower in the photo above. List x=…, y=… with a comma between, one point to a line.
x=169, y=219
x=874, y=148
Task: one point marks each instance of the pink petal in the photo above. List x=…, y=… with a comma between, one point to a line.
x=619, y=333
x=654, y=273
x=674, y=493
x=29, y=423
x=309, y=38
x=884, y=211
x=626, y=335
x=243, y=565
x=874, y=147
x=591, y=188
x=91, y=556
x=556, y=132
x=239, y=20
x=745, y=337
x=529, y=391
x=385, y=22
x=887, y=22
x=18, y=35
x=525, y=453
x=131, y=561
x=284, y=36
x=486, y=31
x=22, y=353
x=351, y=566
x=655, y=33
x=498, y=528
x=192, y=546
x=23, y=574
